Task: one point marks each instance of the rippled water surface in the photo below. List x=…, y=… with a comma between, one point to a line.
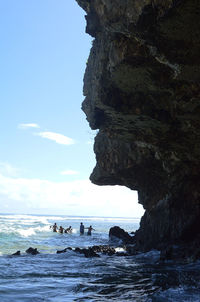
x=72, y=277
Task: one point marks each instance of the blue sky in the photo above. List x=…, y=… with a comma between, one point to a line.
x=46, y=153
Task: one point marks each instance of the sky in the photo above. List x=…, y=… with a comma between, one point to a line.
x=46, y=145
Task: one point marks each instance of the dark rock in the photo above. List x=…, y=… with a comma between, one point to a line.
x=61, y=251
x=131, y=249
x=78, y=250
x=110, y=253
x=142, y=91
x=64, y=251
x=88, y=252
x=105, y=249
x=32, y=251
x=189, y=252
x=167, y=254
x=18, y=253
x=117, y=232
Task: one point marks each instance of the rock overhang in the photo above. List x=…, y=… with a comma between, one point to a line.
x=142, y=92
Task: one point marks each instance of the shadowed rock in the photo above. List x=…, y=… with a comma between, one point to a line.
x=88, y=252
x=117, y=232
x=18, y=253
x=32, y=251
x=142, y=92
x=64, y=251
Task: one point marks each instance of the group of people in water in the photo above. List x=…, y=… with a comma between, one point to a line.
x=69, y=229
x=61, y=229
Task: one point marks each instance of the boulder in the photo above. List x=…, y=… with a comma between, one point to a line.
x=117, y=232
x=32, y=251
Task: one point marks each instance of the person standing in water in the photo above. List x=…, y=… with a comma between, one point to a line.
x=54, y=227
x=68, y=230
x=90, y=229
x=82, y=228
x=61, y=229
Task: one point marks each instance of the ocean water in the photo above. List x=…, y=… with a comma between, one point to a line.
x=70, y=276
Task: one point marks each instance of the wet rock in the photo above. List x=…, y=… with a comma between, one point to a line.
x=109, y=252
x=64, y=250
x=131, y=249
x=61, y=251
x=117, y=232
x=32, y=251
x=88, y=252
x=105, y=249
x=18, y=253
x=78, y=250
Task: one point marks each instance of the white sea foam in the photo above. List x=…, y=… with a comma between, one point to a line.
x=26, y=232
x=42, y=229
x=24, y=217
x=56, y=218
x=32, y=231
x=45, y=219
x=119, y=249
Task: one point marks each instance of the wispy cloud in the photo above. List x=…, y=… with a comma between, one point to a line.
x=69, y=172
x=29, y=125
x=8, y=170
x=56, y=137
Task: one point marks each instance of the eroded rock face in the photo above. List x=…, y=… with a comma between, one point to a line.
x=142, y=91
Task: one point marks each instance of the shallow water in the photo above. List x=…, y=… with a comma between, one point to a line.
x=72, y=277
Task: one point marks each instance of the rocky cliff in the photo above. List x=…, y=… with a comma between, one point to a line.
x=142, y=91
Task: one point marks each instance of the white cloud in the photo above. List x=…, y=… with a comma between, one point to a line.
x=8, y=170
x=30, y=125
x=57, y=137
x=73, y=197
x=69, y=172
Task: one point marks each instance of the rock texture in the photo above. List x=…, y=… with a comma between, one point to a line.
x=142, y=91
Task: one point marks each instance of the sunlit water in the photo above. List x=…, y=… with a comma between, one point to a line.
x=70, y=276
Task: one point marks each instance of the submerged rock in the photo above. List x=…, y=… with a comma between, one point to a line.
x=142, y=92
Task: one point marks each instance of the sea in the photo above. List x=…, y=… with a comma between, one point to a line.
x=52, y=277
